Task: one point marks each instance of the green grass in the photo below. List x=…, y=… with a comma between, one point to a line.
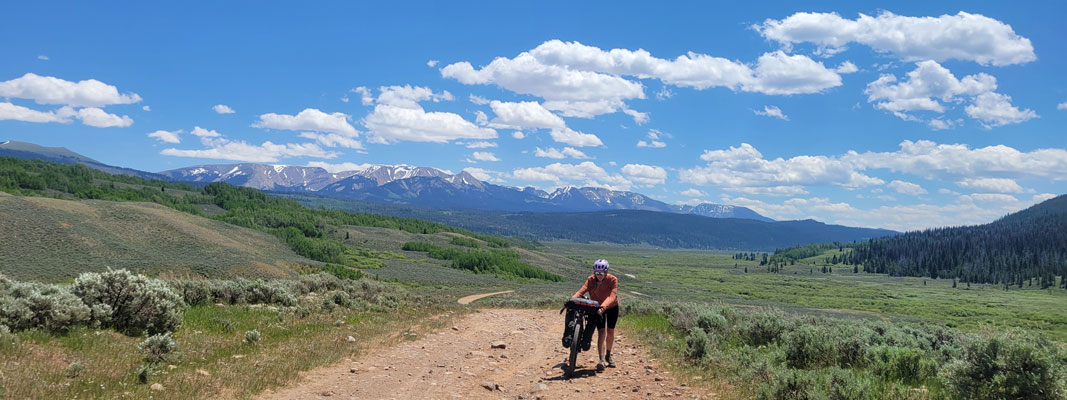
x=709, y=276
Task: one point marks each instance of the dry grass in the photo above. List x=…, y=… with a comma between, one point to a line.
x=213, y=359
x=54, y=240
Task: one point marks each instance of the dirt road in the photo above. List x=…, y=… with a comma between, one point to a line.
x=460, y=362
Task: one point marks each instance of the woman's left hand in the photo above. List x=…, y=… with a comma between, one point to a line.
x=600, y=311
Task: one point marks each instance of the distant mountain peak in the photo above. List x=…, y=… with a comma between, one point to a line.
x=434, y=187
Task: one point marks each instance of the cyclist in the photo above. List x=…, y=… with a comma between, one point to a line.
x=603, y=287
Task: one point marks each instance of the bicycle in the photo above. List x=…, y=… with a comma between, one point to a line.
x=578, y=323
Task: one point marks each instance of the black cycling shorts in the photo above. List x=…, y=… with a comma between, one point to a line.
x=610, y=317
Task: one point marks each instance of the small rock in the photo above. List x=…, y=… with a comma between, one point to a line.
x=238, y=356
x=498, y=345
x=489, y=385
x=172, y=366
x=657, y=379
x=350, y=339
x=157, y=387
x=353, y=370
x=203, y=372
x=455, y=328
x=539, y=387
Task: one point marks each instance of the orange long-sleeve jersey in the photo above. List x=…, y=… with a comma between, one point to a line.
x=605, y=291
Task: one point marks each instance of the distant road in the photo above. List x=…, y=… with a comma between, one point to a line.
x=473, y=297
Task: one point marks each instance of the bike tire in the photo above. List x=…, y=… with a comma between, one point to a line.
x=575, y=343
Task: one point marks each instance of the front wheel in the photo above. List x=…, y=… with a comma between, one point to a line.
x=575, y=342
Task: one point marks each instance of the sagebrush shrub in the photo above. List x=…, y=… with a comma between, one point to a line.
x=904, y=364
x=138, y=304
x=39, y=306
x=809, y=346
x=843, y=384
x=763, y=327
x=193, y=293
x=1009, y=365
x=252, y=336
x=337, y=298
x=791, y=384
x=712, y=322
x=158, y=346
x=697, y=344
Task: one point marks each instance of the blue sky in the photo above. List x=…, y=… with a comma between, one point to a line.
x=901, y=116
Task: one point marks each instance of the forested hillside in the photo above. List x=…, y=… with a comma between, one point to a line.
x=308, y=232
x=661, y=229
x=1027, y=247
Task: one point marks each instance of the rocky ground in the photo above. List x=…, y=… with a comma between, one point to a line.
x=462, y=362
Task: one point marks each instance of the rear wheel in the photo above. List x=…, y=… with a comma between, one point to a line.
x=575, y=342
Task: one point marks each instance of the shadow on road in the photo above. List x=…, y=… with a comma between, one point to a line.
x=578, y=374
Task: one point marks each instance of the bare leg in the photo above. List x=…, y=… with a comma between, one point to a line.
x=600, y=342
x=610, y=339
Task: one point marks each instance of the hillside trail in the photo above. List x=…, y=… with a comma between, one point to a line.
x=460, y=362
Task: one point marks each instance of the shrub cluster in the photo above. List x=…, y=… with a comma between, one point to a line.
x=346, y=293
x=465, y=242
x=798, y=357
x=129, y=303
x=492, y=261
x=134, y=304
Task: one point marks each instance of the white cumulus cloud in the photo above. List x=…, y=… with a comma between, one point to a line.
x=575, y=138
x=99, y=118
x=398, y=116
x=584, y=81
x=524, y=115
x=999, y=185
x=552, y=152
x=930, y=86
x=773, y=112
x=645, y=174
x=906, y=188
x=10, y=111
x=52, y=90
x=484, y=156
x=308, y=120
x=964, y=36
x=218, y=147
x=166, y=136
x=223, y=109
x=744, y=166
x=586, y=173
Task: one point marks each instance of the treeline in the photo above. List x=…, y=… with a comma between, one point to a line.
x=39, y=178
x=1026, y=248
x=499, y=262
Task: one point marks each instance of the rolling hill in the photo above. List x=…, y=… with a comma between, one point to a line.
x=55, y=240
x=1014, y=250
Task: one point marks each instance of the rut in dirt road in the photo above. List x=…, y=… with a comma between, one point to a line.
x=461, y=362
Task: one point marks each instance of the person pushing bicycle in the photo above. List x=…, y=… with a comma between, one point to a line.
x=603, y=287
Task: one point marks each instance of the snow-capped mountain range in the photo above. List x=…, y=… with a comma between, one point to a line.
x=432, y=187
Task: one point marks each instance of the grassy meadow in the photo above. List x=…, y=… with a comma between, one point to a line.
x=678, y=275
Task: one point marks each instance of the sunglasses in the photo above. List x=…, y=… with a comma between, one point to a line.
x=600, y=273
